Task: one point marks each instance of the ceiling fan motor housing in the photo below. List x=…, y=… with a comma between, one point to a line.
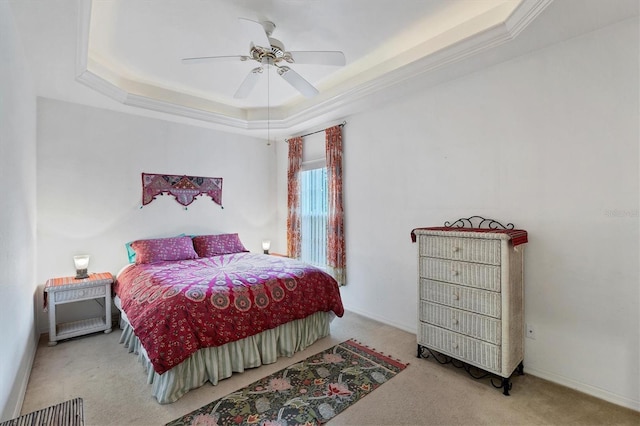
x=276, y=52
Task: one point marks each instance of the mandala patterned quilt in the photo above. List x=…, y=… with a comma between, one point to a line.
x=179, y=307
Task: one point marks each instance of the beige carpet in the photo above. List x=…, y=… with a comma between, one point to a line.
x=113, y=387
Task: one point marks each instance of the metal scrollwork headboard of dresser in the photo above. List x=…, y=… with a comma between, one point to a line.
x=478, y=222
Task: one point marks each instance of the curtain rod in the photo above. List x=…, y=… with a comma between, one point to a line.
x=317, y=131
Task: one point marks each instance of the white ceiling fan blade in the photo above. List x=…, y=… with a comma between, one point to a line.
x=255, y=31
x=248, y=83
x=197, y=60
x=296, y=80
x=319, y=57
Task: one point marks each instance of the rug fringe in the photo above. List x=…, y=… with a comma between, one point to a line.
x=377, y=351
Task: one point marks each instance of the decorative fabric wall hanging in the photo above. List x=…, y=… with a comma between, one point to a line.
x=183, y=188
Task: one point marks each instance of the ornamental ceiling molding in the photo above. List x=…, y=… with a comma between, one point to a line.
x=464, y=41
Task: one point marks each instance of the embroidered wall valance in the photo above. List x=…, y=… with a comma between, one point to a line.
x=183, y=188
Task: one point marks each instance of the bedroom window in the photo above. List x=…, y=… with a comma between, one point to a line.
x=318, y=240
x=313, y=216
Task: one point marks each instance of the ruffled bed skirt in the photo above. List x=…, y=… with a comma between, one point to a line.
x=217, y=363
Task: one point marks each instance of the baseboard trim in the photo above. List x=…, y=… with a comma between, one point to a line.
x=14, y=404
x=404, y=327
x=546, y=375
x=584, y=388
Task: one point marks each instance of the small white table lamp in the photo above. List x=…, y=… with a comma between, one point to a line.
x=266, y=245
x=82, y=265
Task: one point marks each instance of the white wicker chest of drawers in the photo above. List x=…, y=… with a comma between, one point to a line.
x=471, y=304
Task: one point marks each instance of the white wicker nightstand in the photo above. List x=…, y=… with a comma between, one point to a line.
x=68, y=290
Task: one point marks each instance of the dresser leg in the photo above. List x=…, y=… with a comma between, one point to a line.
x=506, y=385
x=421, y=352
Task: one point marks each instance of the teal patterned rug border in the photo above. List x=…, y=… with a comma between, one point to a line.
x=310, y=392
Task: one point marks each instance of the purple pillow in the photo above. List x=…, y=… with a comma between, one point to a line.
x=161, y=249
x=214, y=245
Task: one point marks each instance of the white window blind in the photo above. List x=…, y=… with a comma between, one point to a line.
x=313, y=216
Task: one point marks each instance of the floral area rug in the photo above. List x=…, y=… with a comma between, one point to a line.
x=308, y=393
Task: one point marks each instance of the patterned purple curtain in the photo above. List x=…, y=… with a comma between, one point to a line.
x=293, y=188
x=336, y=255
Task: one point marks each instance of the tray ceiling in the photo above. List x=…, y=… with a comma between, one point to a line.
x=131, y=51
x=126, y=55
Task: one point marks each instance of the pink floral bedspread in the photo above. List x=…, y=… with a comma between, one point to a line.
x=177, y=308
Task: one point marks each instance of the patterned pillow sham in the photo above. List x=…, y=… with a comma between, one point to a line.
x=214, y=245
x=162, y=249
x=131, y=253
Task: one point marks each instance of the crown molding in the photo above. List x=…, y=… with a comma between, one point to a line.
x=482, y=41
x=452, y=46
x=524, y=14
x=82, y=41
x=101, y=85
x=184, y=111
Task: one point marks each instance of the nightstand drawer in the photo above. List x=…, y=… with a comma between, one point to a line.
x=473, y=351
x=473, y=325
x=478, y=275
x=460, y=297
x=463, y=249
x=79, y=294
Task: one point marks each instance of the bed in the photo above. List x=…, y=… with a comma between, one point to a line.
x=198, y=309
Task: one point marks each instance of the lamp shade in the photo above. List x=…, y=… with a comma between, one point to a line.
x=82, y=265
x=266, y=245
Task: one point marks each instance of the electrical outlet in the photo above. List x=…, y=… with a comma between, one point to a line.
x=531, y=331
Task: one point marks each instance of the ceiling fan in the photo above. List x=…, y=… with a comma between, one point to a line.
x=269, y=51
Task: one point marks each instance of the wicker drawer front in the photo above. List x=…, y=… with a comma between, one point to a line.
x=81, y=293
x=464, y=249
x=473, y=325
x=472, y=351
x=478, y=275
x=469, y=299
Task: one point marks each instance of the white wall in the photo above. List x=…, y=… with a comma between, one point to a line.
x=17, y=218
x=548, y=141
x=89, y=186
